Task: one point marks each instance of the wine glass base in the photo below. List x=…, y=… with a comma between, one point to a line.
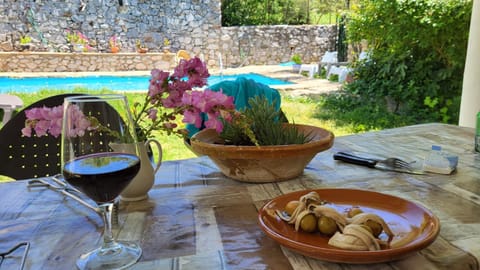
x=119, y=256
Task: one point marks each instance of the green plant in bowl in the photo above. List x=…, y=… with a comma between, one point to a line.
x=261, y=124
x=260, y=147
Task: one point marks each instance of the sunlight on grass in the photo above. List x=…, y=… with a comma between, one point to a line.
x=301, y=110
x=4, y=178
x=174, y=148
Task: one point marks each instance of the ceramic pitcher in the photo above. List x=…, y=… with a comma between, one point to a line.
x=138, y=189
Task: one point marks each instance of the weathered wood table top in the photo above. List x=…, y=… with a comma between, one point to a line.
x=195, y=218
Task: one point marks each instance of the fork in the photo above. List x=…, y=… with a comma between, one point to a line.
x=392, y=162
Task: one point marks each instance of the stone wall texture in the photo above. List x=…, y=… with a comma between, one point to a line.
x=84, y=62
x=191, y=25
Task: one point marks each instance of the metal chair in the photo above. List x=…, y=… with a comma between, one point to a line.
x=29, y=157
x=34, y=157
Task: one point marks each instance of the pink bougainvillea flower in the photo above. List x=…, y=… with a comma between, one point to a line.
x=193, y=116
x=214, y=104
x=214, y=122
x=194, y=69
x=152, y=114
x=49, y=121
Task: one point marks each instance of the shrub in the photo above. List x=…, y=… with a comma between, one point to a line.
x=415, y=68
x=25, y=40
x=297, y=59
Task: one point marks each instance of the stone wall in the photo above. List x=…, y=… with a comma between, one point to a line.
x=249, y=45
x=84, y=62
x=192, y=25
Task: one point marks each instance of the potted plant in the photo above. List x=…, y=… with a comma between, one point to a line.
x=25, y=43
x=141, y=48
x=166, y=45
x=297, y=62
x=78, y=41
x=114, y=45
x=256, y=147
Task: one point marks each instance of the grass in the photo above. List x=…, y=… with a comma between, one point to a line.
x=300, y=110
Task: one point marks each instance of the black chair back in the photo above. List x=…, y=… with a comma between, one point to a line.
x=29, y=157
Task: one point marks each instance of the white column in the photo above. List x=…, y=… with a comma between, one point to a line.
x=470, y=103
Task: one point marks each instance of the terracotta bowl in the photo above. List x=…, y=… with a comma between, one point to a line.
x=264, y=163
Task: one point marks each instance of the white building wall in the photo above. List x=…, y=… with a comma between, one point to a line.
x=470, y=104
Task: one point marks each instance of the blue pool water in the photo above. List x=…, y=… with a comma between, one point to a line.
x=118, y=83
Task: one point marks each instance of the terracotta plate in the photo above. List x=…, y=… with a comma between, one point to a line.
x=414, y=226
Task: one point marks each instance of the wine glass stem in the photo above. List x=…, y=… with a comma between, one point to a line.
x=108, y=241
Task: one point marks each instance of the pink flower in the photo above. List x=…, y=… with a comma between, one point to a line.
x=49, y=121
x=158, y=81
x=152, y=114
x=214, y=104
x=214, y=122
x=55, y=128
x=193, y=116
x=219, y=99
x=174, y=94
x=27, y=131
x=194, y=69
x=43, y=120
x=174, y=99
x=42, y=127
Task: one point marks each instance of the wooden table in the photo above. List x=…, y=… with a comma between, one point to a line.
x=195, y=218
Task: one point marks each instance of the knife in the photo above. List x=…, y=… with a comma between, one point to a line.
x=372, y=163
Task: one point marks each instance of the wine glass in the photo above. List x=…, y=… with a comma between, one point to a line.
x=90, y=125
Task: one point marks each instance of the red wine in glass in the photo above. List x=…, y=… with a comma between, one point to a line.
x=102, y=176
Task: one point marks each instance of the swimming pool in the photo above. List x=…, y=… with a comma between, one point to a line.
x=117, y=83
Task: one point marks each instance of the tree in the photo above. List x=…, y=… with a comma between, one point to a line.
x=270, y=12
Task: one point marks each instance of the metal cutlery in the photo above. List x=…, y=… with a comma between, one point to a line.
x=389, y=164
